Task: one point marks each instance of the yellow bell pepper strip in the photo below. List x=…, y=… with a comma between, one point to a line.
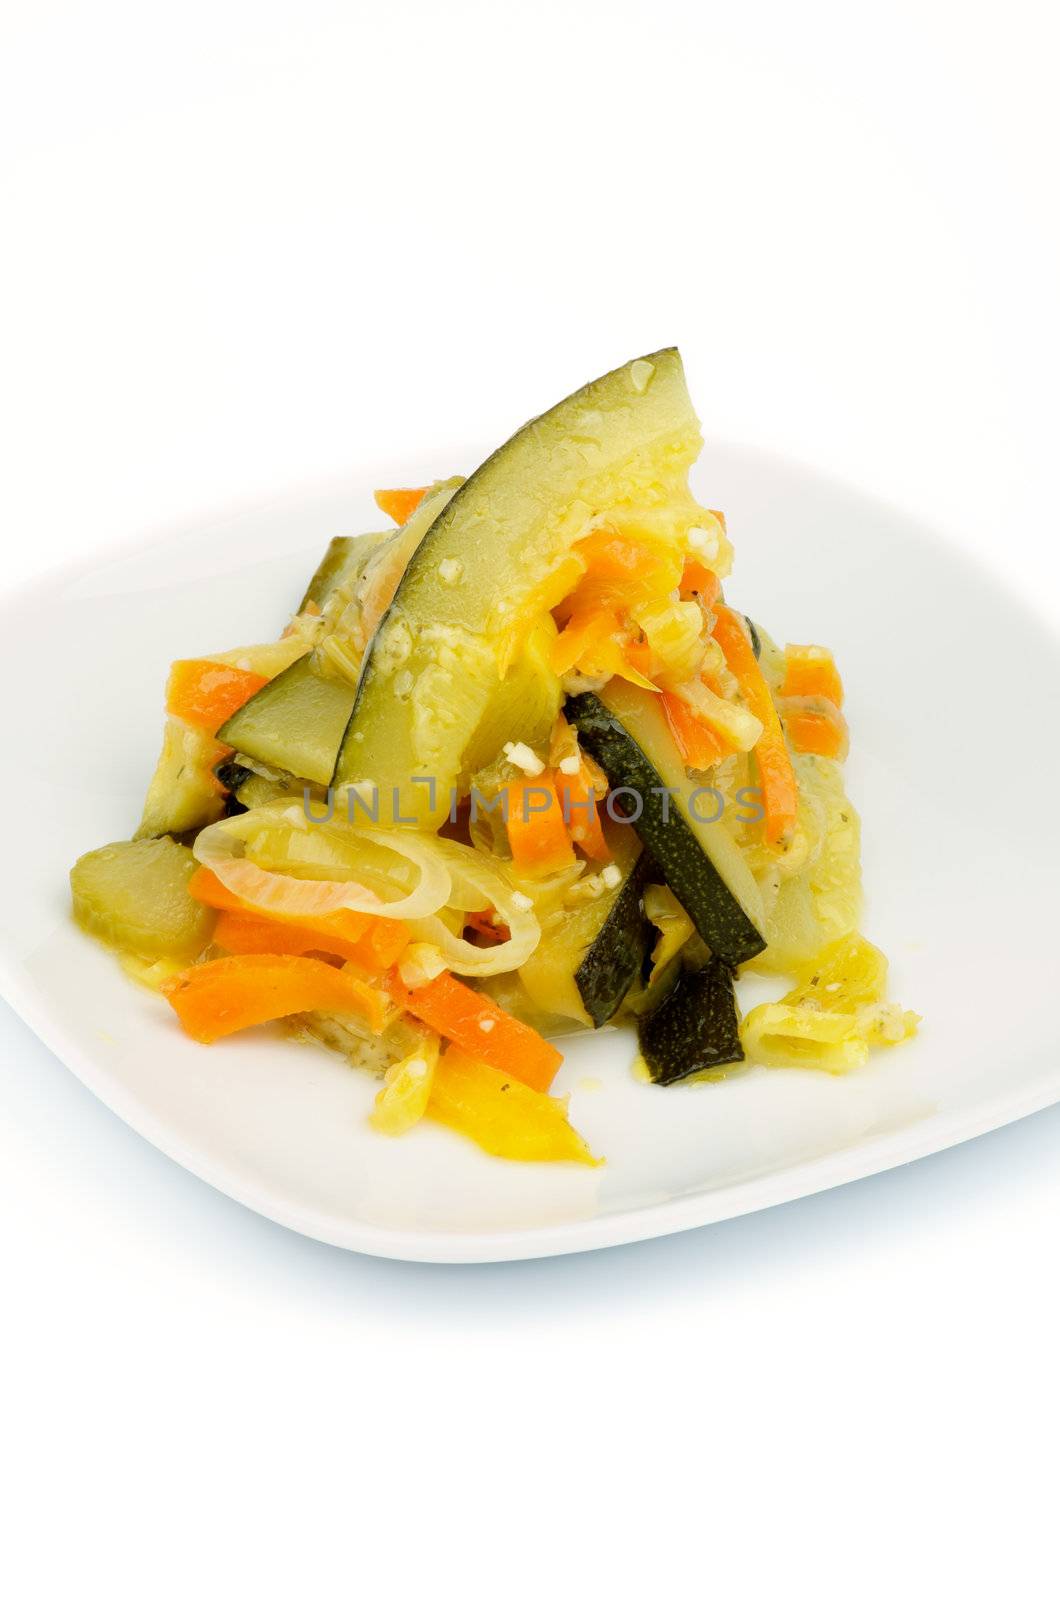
x=206, y=693
x=537, y=833
x=398, y=504
x=479, y=1026
x=780, y=794
x=810, y=669
x=501, y=1114
x=235, y=992
x=402, y=1100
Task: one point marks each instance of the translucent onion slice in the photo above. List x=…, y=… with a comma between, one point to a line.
x=221, y=848
x=473, y=877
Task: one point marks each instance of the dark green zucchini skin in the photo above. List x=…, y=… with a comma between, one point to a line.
x=230, y=775
x=718, y=917
x=696, y=1027
x=620, y=950
x=756, y=643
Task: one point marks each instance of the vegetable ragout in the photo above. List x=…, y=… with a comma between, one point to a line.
x=515, y=768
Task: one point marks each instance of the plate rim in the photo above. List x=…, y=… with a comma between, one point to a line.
x=866, y=1157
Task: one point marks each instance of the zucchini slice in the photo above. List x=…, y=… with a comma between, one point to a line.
x=696, y=1027
x=584, y=967
x=343, y=560
x=294, y=723
x=488, y=567
x=625, y=731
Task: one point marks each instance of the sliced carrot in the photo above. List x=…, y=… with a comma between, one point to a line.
x=398, y=504
x=579, y=797
x=698, y=580
x=816, y=726
x=780, y=793
x=479, y=1026
x=537, y=832
x=207, y=693
x=699, y=745
x=500, y=1113
x=810, y=669
x=221, y=997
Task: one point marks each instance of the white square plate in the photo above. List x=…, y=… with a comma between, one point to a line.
x=953, y=705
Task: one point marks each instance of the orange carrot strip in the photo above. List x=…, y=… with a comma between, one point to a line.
x=221, y=997
x=207, y=693
x=699, y=745
x=810, y=669
x=578, y=801
x=398, y=503
x=696, y=579
x=780, y=793
x=479, y=1026
x=537, y=832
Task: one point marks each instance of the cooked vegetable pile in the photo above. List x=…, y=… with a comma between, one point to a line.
x=512, y=770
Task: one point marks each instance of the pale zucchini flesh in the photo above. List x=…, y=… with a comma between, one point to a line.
x=294, y=723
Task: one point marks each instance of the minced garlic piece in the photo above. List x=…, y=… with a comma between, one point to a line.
x=611, y=875
x=570, y=765
x=521, y=756
x=450, y=570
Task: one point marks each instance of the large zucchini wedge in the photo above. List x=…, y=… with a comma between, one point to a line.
x=294, y=723
x=624, y=730
x=585, y=966
x=489, y=565
x=696, y=1028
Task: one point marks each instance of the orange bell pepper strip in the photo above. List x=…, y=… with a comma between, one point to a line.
x=816, y=726
x=373, y=942
x=810, y=669
x=207, y=693
x=580, y=636
x=700, y=747
x=399, y=504
x=537, y=832
x=243, y=935
x=479, y=1026
x=697, y=581
x=579, y=795
x=221, y=997
x=780, y=792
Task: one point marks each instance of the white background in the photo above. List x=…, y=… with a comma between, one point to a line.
x=246, y=246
